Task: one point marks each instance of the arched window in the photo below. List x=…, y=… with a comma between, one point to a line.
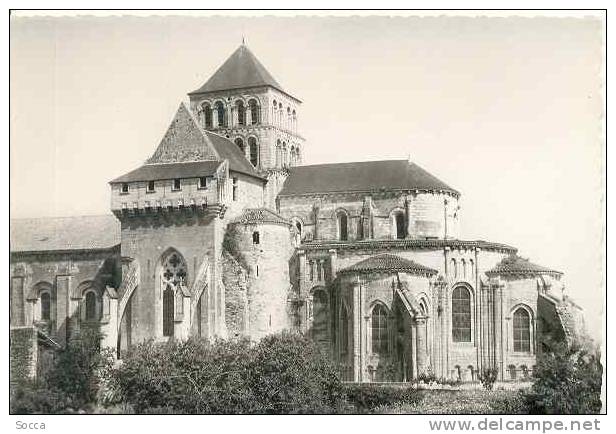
x=220, y=110
x=461, y=314
x=454, y=268
x=471, y=268
x=207, y=115
x=463, y=266
x=241, y=113
x=512, y=372
x=298, y=226
x=240, y=144
x=398, y=225
x=254, y=111
x=278, y=154
x=255, y=237
x=168, y=311
x=285, y=156
x=521, y=330
x=471, y=372
x=254, y=151
x=173, y=275
x=380, y=341
x=91, y=306
x=343, y=231
x=45, y=306
x=344, y=331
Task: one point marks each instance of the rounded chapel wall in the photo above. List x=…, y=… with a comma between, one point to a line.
x=268, y=282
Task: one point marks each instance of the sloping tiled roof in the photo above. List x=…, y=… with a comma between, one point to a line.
x=239, y=71
x=228, y=150
x=389, y=263
x=361, y=176
x=151, y=172
x=514, y=264
x=64, y=233
x=261, y=215
x=187, y=150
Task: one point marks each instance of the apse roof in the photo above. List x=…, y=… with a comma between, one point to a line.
x=64, y=233
x=368, y=176
x=514, y=264
x=388, y=263
x=241, y=70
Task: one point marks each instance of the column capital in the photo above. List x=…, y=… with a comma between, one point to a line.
x=420, y=319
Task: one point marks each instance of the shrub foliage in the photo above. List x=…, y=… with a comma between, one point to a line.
x=283, y=373
x=567, y=381
x=72, y=382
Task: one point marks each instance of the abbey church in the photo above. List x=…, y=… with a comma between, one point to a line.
x=223, y=232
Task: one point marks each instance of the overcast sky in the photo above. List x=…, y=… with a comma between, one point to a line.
x=506, y=110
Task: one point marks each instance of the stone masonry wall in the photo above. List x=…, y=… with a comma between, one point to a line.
x=268, y=269
x=235, y=279
x=424, y=214
x=23, y=353
x=62, y=274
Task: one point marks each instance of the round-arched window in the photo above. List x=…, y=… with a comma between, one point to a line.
x=461, y=314
x=521, y=330
x=91, y=313
x=380, y=341
x=45, y=306
x=343, y=230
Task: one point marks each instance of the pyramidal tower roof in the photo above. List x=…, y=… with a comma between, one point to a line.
x=241, y=70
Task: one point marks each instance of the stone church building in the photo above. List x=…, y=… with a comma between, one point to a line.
x=222, y=232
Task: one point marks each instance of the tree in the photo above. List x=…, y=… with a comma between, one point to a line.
x=567, y=381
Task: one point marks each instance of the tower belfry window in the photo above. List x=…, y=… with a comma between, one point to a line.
x=220, y=111
x=207, y=116
x=241, y=113
x=235, y=188
x=254, y=111
x=254, y=151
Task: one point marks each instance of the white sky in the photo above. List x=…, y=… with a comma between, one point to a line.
x=506, y=110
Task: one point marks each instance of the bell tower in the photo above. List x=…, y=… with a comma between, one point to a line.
x=243, y=102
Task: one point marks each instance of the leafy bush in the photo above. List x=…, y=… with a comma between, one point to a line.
x=366, y=397
x=29, y=397
x=567, y=381
x=488, y=377
x=289, y=375
x=72, y=382
x=283, y=373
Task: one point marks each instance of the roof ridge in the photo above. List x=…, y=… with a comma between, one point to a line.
x=351, y=162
